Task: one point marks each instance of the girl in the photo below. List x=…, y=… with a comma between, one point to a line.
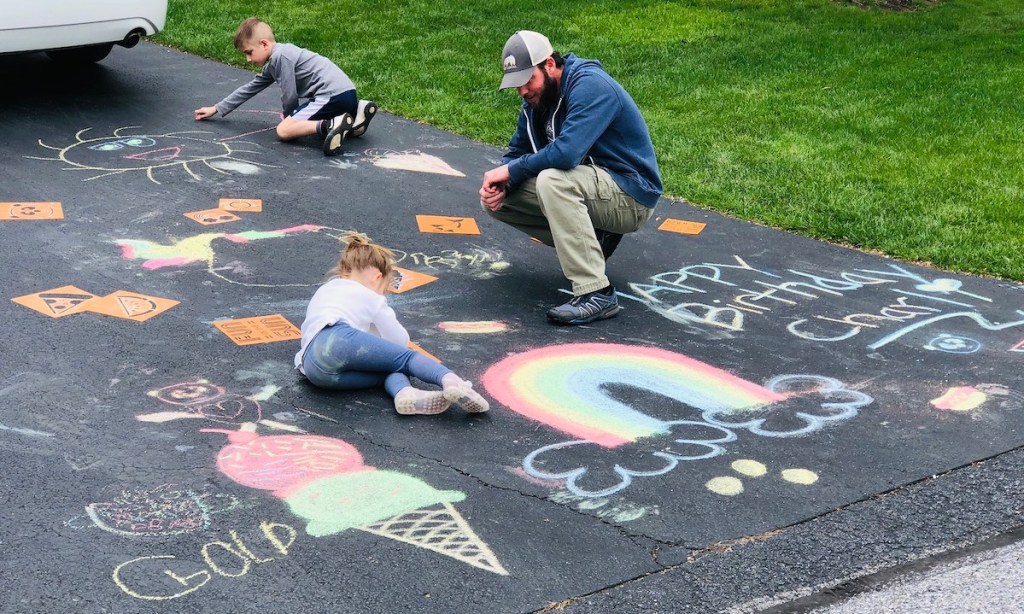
x=351, y=338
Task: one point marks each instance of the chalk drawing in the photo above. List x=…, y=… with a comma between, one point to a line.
x=479, y=262
x=198, y=249
x=163, y=510
x=604, y=508
x=975, y=317
x=199, y=399
x=960, y=398
x=24, y=431
x=1006, y=398
x=148, y=153
x=478, y=327
x=730, y=486
x=324, y=481
x=968, y=398
x=563, y=387
x=143, y=576
x=953, y=344
x=566, y=387
x=721, y=297
x=411, y=160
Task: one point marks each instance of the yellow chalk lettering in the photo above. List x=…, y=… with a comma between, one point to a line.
x=268, y=530
x=183, y=580
x=246, y=563
x=245, y=550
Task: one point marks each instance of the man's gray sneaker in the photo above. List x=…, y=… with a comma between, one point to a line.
x=586, y=308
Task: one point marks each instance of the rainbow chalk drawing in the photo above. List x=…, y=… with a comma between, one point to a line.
x=325, y=481
x=561, y=386
x=565, y=388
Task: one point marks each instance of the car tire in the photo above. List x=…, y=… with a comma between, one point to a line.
x=81, y=55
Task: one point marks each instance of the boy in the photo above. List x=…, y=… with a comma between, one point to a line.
x=332, y=109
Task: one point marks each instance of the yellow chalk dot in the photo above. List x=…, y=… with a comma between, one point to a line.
x=799, y=476
x=728, y=486
x=750, y=468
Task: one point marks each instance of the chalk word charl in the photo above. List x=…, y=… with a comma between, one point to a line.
x=915, y=299
x=140, y=577
x=566, y=388
x=123, y=152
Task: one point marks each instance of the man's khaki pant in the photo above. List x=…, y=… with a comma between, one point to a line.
x=562, y=209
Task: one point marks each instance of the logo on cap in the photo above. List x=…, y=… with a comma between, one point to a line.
x=510, y=63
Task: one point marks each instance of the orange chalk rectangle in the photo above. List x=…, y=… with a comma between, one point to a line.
x=259, y=329
x=406, y=280
x=129, y=305
x=249, y=205
x=31, y=211
x=56, y=303
x=442, y=224
x=416, y=347
x=682, y=226
x=207, y=217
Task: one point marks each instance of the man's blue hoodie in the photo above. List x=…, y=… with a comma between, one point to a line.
x=596, y=122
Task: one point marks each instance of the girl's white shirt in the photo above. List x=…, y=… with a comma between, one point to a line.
x=348, y=301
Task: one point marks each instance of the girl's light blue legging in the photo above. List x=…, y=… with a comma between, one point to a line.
x=344, y=358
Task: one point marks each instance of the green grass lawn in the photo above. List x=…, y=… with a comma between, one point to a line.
x=895, y=131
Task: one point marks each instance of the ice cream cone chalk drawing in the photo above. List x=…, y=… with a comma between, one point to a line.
x=324, y=481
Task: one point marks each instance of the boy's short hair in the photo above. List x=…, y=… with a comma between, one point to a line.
x=252, y=29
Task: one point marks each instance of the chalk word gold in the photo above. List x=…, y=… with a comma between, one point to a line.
x=241, y=557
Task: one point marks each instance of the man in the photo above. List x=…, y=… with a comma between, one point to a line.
x=580, y=171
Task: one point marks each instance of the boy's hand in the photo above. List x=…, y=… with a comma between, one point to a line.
x=205, y=112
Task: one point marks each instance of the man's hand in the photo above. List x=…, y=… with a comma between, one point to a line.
x=494, y=187
x=205, y=112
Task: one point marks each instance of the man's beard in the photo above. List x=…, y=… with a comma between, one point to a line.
x=548, y=95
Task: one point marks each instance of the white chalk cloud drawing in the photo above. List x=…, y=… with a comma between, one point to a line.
x=411, y=160
x=812, y=403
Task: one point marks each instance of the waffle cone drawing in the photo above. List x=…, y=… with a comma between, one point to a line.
x=441, y=529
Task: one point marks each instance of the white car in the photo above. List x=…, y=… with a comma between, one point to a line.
x=77, y=30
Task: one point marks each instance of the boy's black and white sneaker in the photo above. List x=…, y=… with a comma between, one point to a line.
x=364, y=113
x=336, y=132
x=586, y=308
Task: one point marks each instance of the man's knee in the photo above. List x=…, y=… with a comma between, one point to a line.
x=550, y=177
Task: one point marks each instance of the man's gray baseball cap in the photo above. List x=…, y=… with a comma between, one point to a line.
x=524, y=50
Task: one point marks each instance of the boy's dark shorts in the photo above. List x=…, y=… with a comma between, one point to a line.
x=326, y=108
